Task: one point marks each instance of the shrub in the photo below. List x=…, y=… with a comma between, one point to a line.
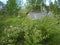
x=23, y=31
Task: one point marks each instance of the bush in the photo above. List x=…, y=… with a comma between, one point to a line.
x=23, y=31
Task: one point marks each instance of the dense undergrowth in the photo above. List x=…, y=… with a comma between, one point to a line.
x=23, y=31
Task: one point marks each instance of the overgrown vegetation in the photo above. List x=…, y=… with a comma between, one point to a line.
x=17, y=29
x=23, y=31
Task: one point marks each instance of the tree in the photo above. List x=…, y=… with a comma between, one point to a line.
x=11, y=7
x=55, y=7
x=36, y=4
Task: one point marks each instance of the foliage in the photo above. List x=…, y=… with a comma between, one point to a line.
x=36, y=4
x=23, y=31
x=11, y=7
